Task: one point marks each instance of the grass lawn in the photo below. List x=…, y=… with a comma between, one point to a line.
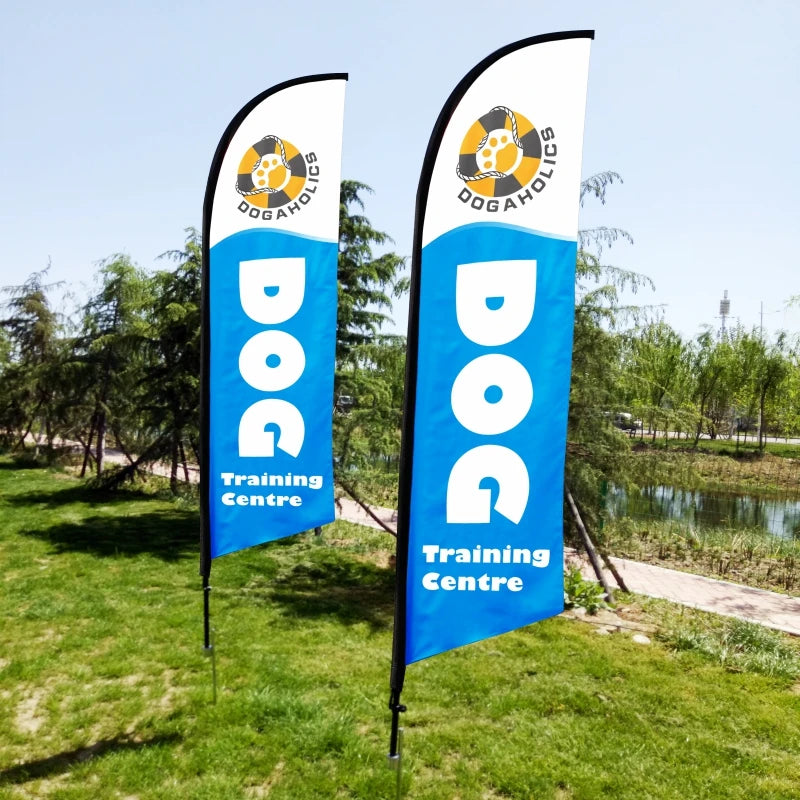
x=107, y=693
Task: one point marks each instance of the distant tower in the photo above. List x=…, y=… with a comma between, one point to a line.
x=724, y=312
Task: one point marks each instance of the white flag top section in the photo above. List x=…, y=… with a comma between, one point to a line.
x=547, y=85
x=309, y=117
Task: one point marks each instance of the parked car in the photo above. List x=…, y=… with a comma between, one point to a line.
x=625, y=421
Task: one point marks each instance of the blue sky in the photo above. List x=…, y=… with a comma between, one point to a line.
x=110, y=114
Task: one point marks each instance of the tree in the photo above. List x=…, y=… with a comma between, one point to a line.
x=109, y=349
x=771, y=369
x=369, y=363
x=658, y=364
x=160, y=410
x=34, y=351
x=366, y=282
x=711, y=369
x=173, y=378
x=596, y=451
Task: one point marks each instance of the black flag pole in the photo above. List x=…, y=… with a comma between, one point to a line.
x=205, y=395
x=398, y=671
x=235, y=210
x=205, y=534
x=401, y=635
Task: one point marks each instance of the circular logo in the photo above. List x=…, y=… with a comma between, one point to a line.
x=271, y=173
x=500, y=153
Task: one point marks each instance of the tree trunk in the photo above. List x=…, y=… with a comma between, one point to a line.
x=183, y=461
x=195, y=450
x=121, y=444
x=173, y=473
x=101, y=442
x=88, y=448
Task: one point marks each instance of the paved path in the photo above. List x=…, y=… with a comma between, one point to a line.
x=721, y=597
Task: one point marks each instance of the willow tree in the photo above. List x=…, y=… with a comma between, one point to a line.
x=596, y=451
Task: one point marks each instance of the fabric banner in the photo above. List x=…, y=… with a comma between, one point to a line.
x=490, y=346
x=270, y=238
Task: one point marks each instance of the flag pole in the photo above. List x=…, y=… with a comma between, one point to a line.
x=205, y=350
x=398, y=671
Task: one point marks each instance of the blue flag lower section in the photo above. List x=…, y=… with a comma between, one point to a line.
x=272, y=322
x=495, y=343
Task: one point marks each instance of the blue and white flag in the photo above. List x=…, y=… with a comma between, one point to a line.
x=480, y=545
x=270, y=238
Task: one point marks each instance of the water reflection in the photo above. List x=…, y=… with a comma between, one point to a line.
x=778, y=516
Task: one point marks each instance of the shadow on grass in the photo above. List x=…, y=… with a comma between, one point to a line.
x=351, y=591
x=63, y=762
x=54, y=496
x=170, y=535
x=18, y=464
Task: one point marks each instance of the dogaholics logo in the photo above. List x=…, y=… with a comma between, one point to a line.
x=503, y=156
x=275, y=179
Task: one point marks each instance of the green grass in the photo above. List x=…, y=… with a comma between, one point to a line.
x=106, y=691
x=749, y=448
x=738, y=645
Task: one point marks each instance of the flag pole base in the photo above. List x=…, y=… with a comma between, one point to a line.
x=396, y=708
x=396, y=763
x=211, y=652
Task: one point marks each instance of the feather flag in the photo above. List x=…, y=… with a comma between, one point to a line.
x=480, y=548
x=270, y=239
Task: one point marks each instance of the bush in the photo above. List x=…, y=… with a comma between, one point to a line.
x=578, y=592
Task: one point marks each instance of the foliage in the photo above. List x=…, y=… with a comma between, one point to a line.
x=366, y=281
x=125, y=373
x=174, y=396
x=580, y=593
x=107, y=361
x=596, y=451
x=33, y=350
x=626, y=361
x=370, y=365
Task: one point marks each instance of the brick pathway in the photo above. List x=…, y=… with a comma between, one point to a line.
x=720, y=597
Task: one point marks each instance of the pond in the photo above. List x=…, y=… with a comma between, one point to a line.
x=777, y=516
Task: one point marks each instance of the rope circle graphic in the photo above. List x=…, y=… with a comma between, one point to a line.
x=500, y=153
x=271, y=173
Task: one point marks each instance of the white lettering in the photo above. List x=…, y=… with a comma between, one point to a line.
x=271, y=290
x=492, y=394
x=272, y=360
x=468, y=503
x=495, y=300
x=257, y=442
